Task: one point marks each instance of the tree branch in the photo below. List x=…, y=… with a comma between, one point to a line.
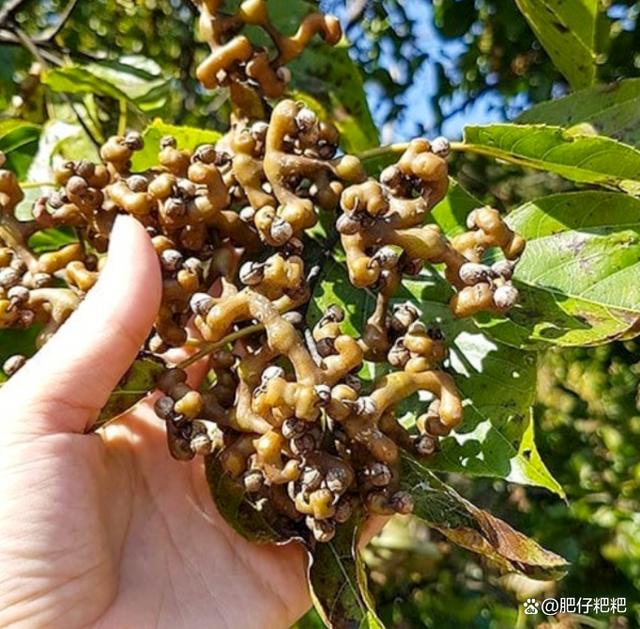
x=51, y=32
x=13, y=34
x=9, y=9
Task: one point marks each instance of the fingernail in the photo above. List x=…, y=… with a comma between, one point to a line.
x=118, y=231
x=119, y=245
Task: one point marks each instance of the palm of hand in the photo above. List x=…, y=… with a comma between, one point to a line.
x=126, y=536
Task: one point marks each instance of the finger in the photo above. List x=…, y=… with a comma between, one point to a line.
x=196, y=372
x=65, y=384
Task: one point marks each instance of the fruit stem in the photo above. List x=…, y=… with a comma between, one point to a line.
x=207, y=348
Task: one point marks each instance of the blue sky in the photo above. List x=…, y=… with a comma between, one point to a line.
x=418, y=97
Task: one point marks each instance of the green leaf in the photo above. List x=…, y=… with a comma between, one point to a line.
x=255, y=522
x=75, y=145
x=19, y=142
x=80, y=80
x=17, y=342
x=136, y=384
x=16, y=134
x=451, y=213
x=442, y=508
x=51, y=239
x=139, y=78
x=138, y=82
x=311, y=620
x=578, y=276
x=187, y=138
x=568, y=31
x=569, y=153
x=558, y=316
x=329, y=75
x=498, y=381
x=336, y=582
x=612, y=110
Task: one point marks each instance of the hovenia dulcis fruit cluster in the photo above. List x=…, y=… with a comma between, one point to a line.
x=283, y=412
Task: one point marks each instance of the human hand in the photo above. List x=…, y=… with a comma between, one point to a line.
x=106, y=529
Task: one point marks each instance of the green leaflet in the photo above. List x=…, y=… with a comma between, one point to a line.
x=236, y=507
x=17, y=342
x=578, y=274
x=16, y=134
x=311, y=620
x=441, y=507
x=570, y=153
x=568, y=31
x=51, y=239
x=451, y=213
x=139, y=78
x=612, y=110
x=133, y=80
x=136, y=384
x=337, y=583
x=495, y=436
x=187, y=138
x=19, y=142
x=79, y=80
x=551, y=310
x=74, y=145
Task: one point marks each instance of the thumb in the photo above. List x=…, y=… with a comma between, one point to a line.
x=65, y=384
